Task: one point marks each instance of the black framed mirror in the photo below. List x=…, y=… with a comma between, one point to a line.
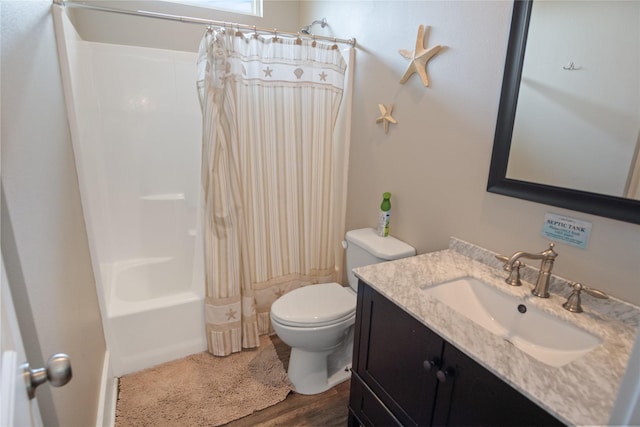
x=619, y=208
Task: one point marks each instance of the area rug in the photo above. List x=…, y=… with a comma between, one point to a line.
x=203, y=390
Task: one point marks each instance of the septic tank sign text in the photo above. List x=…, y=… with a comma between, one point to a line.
x=568, y=230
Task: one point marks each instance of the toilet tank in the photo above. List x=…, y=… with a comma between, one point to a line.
x=365, y=247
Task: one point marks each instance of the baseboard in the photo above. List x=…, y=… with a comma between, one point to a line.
x=106, y=414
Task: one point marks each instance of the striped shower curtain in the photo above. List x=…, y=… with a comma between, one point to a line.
x=273, y=176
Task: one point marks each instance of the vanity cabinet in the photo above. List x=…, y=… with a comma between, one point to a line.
x=405, y=374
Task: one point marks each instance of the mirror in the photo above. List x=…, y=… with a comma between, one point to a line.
x=563, y=137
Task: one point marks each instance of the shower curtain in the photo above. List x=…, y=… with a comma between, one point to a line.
x=275, y=150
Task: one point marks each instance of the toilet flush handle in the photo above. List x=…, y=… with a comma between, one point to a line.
x=344, y=244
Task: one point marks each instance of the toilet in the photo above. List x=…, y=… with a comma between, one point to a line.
x=316, y=321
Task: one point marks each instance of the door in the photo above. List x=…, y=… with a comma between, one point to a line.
x=15, y=407
x=468, y=394
x=394, y=357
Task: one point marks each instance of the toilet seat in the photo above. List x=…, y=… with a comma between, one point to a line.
x=315, y=305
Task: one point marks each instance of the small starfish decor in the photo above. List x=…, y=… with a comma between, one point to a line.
x=386, y=118
x=419, y=58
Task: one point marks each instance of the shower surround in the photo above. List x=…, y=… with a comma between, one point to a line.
x=136, y=125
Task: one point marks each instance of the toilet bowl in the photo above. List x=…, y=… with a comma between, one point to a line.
x=316, y=321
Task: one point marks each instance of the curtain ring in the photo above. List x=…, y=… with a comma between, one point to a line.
x=298, y=39
x=313, y=44
x=335, y=44
x=275, y=37
x=255, y=33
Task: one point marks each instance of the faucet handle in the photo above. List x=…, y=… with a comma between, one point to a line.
x=514, y=271
x=573, y=303
x=505, y=259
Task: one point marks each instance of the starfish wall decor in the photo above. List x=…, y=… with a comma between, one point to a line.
x=419, y=58
x=386, y=118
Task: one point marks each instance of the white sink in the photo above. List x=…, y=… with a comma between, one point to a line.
x=543, y=336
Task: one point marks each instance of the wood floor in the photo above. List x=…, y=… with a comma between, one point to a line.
x=325, y=409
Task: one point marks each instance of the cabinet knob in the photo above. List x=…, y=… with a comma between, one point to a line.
x=443, y=374
x=429, y=364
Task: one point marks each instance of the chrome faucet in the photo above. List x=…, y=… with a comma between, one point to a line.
x=541, y=288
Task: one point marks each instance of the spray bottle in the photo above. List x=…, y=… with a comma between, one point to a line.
x=385, y=215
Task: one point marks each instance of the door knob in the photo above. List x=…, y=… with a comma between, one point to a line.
x=57, y=372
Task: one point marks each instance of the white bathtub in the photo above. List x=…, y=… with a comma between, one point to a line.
x=153, y=317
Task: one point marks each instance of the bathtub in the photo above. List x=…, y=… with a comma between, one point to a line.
x=152, y=317
x=135, y=124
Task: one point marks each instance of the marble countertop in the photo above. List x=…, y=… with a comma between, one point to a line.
x=581, y=392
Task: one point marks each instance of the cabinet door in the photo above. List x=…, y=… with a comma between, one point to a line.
x=392, y=348
x=367, y=408
x=471, y=395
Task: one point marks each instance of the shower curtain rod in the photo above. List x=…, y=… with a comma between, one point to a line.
x=192, y=20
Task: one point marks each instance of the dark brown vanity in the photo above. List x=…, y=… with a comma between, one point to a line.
x=405, y=374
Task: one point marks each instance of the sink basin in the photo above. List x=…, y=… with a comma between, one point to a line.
x=543, y=336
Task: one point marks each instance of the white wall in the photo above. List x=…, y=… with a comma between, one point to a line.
x=43, y=237
x=137, y=154
x=435, y=161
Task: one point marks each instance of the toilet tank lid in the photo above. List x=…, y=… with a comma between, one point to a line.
x=387, y=248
